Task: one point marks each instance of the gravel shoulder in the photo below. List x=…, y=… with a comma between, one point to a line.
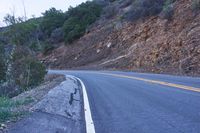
x=52, y=102
x=31, y=98
x=59, y=111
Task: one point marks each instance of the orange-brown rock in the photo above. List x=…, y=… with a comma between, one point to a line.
x=150, y=45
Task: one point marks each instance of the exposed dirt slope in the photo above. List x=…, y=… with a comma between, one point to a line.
x=149, y=45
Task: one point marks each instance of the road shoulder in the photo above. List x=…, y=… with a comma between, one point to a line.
x=60, y=110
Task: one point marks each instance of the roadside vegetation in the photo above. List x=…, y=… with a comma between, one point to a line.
x=22, y=39
x=13, y=109
x=2, y=64
x=9, y=109
x=55, y=26
x=20, y=69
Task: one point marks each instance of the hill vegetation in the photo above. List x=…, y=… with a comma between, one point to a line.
x=160, y=36
x=23, y=39
x=143, y=35
x=145, y=8
x=78, y=20
x=118, y=25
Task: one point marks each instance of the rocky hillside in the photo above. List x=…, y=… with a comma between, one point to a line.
x=166, y=42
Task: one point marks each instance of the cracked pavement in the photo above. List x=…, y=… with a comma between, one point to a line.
x=60, y=111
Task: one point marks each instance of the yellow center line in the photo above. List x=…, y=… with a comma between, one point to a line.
x=155, y=82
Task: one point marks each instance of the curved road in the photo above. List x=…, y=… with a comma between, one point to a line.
x=127, y=102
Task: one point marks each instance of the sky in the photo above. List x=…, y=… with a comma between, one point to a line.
x=33, y=7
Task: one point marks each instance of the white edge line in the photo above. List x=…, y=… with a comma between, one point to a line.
x=88, y=116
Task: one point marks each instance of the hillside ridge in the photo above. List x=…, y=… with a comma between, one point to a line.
x=151, y=44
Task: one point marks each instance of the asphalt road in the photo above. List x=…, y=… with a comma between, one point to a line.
x=125, y=105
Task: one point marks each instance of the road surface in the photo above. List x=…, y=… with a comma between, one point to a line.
x=122, y=104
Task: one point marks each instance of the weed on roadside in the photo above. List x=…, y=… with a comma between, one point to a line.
x=8, y=108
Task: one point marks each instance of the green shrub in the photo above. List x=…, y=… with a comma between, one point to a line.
x=73, y=29
x=37, y=72
x=6, y=108
x=110, y=11
x=195, y=5
x=26, y=71
x=51, y=20
x=46, y=47
x=112, y=0
x=144, y=8
x=79, y=18
x=168, y=10
x=20, y=32
x=10, y=90
x=125, y=3
x=35, y=46
x=57, y=35
x=2, y=64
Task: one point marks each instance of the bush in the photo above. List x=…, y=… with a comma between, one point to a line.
x=144, y=8
x=23, y=69
x=73, y=29
x=26, y=70
x=10, y=90
x=51, y=20
x=2, y=64
x=79, y=18
x=168, y=10
x=37, y=72
x=57, y=35
x=8, y=108
x=35, y=46
x=125, y=3
x=195, y=5
x=6, y=105
x=20, y=32
x=110, y=11
x=112, y=0
x=46, y=47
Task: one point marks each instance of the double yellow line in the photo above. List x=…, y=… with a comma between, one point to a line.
x=189, y=88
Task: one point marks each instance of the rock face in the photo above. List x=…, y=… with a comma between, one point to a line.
x=149, y=45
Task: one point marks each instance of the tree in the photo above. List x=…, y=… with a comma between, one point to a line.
x=21, y=32
x=13, y=29
x=26, y=70
x=51, y=20
x=17, y=30
x=23, y=68
x=79, y=18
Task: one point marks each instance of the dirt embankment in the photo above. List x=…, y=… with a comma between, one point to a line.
x=149, y=45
